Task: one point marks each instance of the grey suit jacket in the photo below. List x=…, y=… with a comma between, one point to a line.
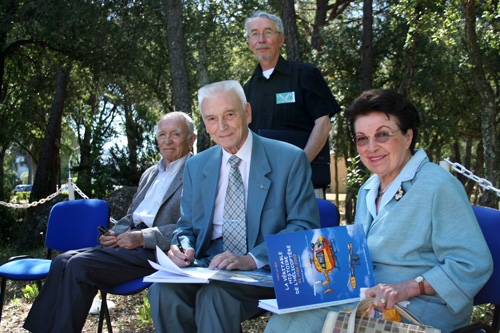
x=280, y=197
x=165, y=220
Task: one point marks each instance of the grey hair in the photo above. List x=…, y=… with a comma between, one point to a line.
x=177, y=114
x=272, y=17
x=222, y=87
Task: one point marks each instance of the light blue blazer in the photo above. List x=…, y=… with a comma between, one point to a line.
x=280, y=197
x=431, y=231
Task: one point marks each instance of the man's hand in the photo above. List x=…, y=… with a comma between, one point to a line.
x=179, y=258
x=130, y=240
x=230, y=261
x=109, y=240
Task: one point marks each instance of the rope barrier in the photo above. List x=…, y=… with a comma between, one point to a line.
x=484, y=183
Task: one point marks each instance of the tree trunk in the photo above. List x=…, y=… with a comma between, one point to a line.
x=47, y=170
x=322, y=18
x=131, y=131
x=488, y=111
x=177, y=56
x=291, y=31
x=319, y=21
x=84, y=169
x=367, y=47
x=410, y=53
x=202, y=139
x=3, y=193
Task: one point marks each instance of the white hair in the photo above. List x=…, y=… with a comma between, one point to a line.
x=260, y=13
x=222, y=87
x=178, y=114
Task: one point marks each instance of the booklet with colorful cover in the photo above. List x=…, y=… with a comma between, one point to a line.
x=318, y=268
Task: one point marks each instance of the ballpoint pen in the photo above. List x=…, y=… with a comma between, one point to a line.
x=181, y=248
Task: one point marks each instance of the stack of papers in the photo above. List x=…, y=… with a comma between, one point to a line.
x=169, y=272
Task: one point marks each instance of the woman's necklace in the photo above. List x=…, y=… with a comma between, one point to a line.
x=380, y=191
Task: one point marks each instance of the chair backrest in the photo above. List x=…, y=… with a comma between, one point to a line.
x=489, y=221
x=73, y=224
x=328, y=213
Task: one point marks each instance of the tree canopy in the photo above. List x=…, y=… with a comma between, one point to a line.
x=127, y=62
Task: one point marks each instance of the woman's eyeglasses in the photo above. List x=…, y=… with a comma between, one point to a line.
x=379, y=137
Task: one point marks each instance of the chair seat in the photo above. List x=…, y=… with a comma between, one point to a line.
x=130, y=287
x=25, y=269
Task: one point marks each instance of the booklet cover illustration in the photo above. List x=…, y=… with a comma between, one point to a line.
x=320, y=267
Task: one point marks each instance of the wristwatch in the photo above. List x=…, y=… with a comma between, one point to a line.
x=420, y=280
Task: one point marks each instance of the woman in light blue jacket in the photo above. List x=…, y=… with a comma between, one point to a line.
x=424, y=240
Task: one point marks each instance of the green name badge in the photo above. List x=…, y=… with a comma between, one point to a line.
x=286, y=97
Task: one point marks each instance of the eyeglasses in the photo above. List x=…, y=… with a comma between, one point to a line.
x=266, y=34
x=380, y=137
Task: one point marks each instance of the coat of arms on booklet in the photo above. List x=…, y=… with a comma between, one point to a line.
x=318, y=268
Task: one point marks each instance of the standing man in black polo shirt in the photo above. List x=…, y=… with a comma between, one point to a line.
x=286, y=95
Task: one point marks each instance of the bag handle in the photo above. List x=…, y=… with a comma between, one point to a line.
x=366, y=303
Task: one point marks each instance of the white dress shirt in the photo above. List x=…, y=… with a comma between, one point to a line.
x=148, y=208
x=245, y=154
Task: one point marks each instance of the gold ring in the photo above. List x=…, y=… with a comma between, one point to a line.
x=382, y=300
x=230, y=260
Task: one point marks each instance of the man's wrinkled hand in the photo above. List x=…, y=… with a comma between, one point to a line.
x=109, y=240
x=230, y=261
x=130, y=240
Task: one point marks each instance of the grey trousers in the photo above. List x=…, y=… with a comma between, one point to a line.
x=75, y=278
x=214, y=307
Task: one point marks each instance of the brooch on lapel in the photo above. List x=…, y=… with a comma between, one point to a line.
x=399, y=194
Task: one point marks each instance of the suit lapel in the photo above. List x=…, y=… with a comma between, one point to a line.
x=176, y=183
x=258, y=187
x=209, y=182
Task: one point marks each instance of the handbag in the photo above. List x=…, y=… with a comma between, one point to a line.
x=352, y=321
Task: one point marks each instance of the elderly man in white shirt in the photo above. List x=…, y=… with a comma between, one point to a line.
x=76, y=276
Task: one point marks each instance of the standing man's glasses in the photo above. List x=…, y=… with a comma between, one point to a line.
x=266, y=34
x=380, y=137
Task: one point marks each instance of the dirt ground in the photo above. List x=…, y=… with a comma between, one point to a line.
x=125, y=316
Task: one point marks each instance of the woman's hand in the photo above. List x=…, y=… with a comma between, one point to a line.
x=387, y=295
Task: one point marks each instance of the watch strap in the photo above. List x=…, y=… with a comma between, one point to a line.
x=421, y=284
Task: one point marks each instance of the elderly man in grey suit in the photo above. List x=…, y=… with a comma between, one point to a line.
x=76, y=276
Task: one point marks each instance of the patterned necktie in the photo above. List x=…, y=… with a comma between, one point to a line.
x=234, y=230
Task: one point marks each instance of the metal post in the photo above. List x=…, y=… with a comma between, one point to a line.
x=71, y=190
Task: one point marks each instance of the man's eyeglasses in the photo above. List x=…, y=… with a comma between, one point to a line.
x=266, y=34
x=379, y=137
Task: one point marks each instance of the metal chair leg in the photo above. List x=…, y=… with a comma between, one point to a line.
x=2, y=295
x=104, y=312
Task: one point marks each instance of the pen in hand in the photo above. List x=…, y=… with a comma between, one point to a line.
x=181, y=248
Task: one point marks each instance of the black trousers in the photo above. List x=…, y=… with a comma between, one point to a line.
x=75, y=278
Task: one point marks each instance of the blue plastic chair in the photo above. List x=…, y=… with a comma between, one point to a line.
x=127, y=288
x=72, y=225
x=328, y=213
x=489, y=221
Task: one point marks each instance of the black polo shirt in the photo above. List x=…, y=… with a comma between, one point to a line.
x=291, y=99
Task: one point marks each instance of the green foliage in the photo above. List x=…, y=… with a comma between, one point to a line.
x=356, y=176
x=21, y=197
x=482, y=314
x=30, y=292
x=145, y=310
x=15, y=301
x=24, y=177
